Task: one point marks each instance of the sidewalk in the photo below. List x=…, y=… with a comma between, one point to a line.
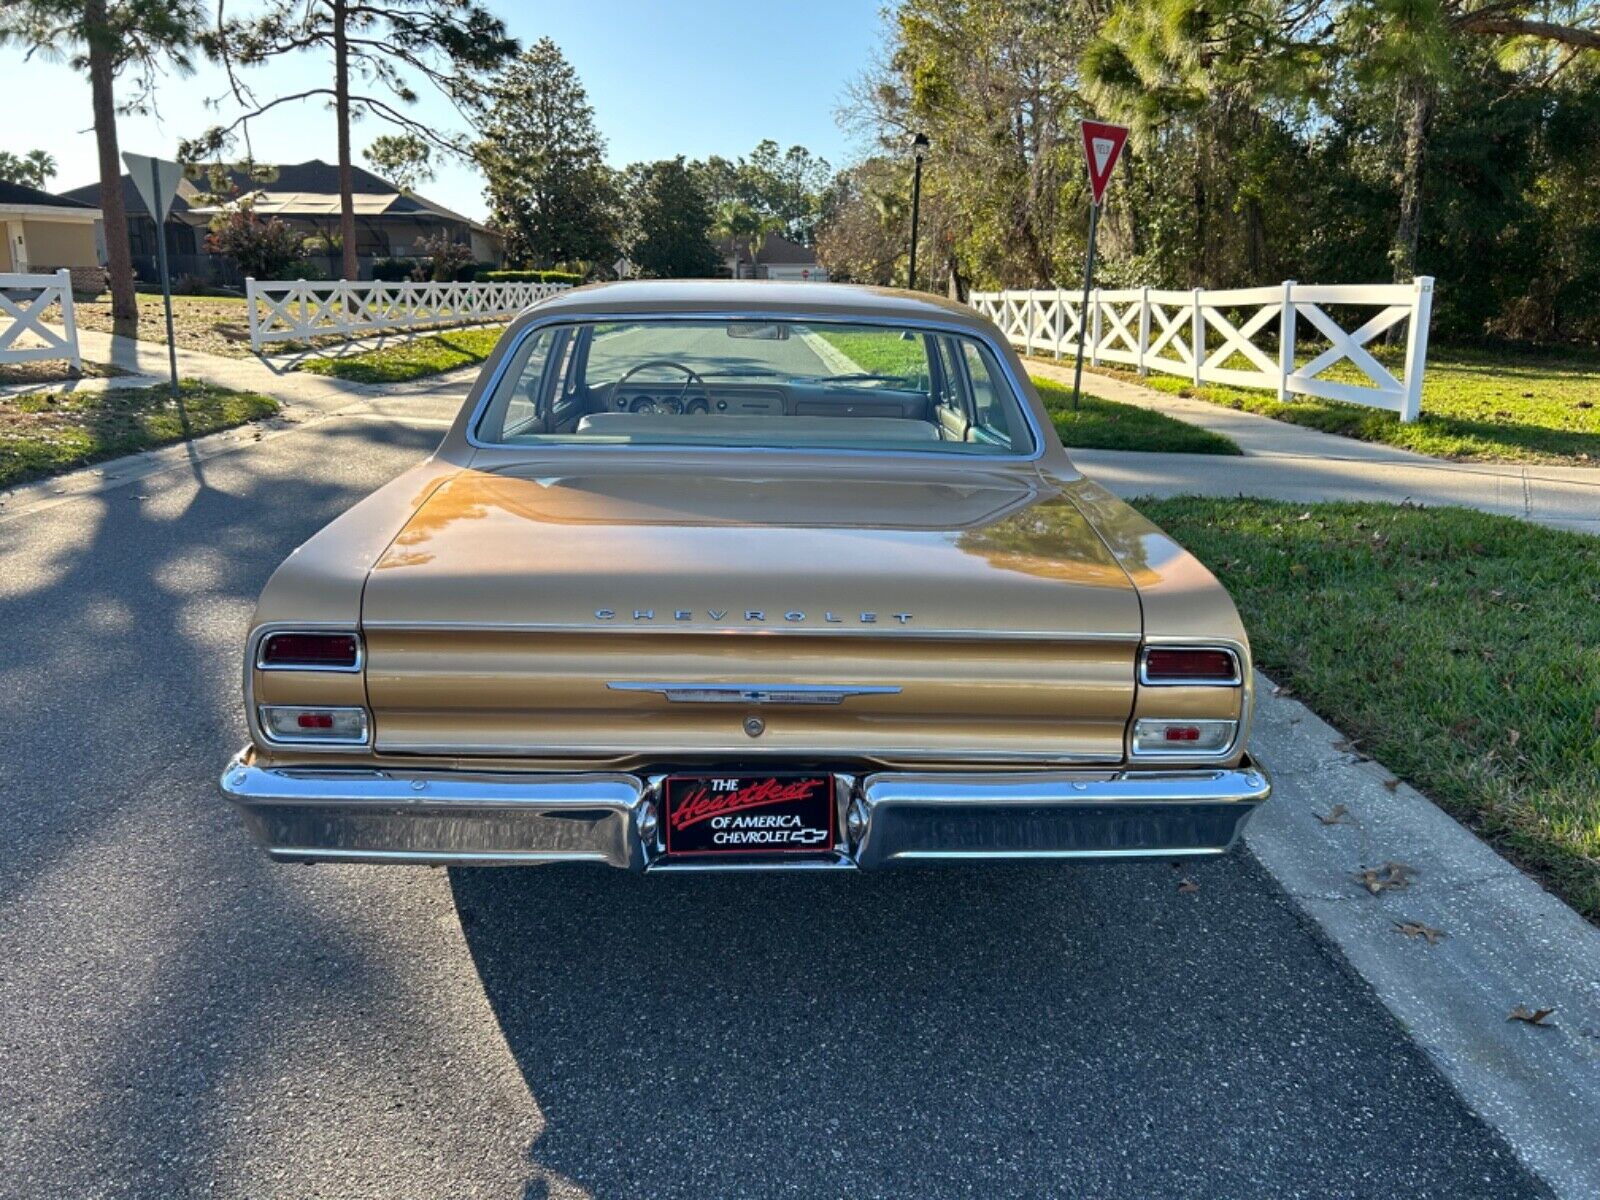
x=304, y=399
x=1290, y=462
x=301, y=393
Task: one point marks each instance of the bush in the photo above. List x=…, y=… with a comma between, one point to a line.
x=263, y=249
x=571, y=277
x=392, y=270
x=465, y=273
x=444, y=257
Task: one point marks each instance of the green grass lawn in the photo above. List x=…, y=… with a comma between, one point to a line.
x=1107, y=425
x=1097, y=425
x=1476, y=404
x=413, y=359
x=42, y=433
x=882, y=353
x=1460, y=650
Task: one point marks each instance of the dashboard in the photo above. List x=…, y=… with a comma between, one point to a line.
x=772, y=400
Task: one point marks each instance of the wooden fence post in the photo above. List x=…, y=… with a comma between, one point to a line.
x=1094, y=328
x=1417, y=346
x=69, y=320
x=250, y=314
x=1286, y=341
x=1061, y=320
x=1197, y=336
x=1144, y=329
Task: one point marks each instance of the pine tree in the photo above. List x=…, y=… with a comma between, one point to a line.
x=548, y=186
x=446, y=42
x=110, y=39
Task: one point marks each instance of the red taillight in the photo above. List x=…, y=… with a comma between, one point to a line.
x=1170, y=664
x=1175, y=733
x=323, y=720
x=313, y=650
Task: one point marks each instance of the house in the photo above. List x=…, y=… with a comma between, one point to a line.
x=44, y=233
x=778, y=258
x=305, y=196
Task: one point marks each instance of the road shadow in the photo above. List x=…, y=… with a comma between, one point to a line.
x=1006, y=1031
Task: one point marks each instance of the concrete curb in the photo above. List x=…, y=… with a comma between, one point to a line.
x=1506, y=942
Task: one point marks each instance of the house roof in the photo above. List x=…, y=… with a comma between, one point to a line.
x=22, y=196
x=132, y=203
x=307, y=189
x=775, y=249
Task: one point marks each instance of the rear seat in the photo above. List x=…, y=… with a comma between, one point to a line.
x=789, y=429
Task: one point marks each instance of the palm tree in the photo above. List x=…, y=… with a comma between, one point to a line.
x=745, y=228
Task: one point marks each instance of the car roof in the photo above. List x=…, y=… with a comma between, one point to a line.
x=725, y=296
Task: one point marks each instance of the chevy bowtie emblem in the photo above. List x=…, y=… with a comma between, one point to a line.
x=752, y=693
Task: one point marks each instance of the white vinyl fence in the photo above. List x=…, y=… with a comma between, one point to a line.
x=300, y=310
x=23, y=301
x=1210, y=336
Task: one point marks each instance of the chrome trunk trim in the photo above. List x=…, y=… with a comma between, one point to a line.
x=752, y=693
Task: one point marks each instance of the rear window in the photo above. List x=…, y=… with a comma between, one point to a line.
x=756, y=382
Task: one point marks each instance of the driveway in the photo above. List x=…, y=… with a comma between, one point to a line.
x=184, y=1018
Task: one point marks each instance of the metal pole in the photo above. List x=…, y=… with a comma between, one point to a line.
x=1083, y=321
x=916, y=207
x=166, y=282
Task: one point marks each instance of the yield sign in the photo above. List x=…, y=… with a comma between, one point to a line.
x=157, y=181
x=1102, y=145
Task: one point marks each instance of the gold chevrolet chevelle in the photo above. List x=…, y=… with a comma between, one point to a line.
x=714, y=575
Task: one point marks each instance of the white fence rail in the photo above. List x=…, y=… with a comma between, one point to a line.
x=1210, y=336
x=300, y=310
x=23, y=302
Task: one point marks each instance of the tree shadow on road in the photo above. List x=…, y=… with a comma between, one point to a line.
x=947, y=1032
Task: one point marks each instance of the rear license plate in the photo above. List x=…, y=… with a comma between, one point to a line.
x=749, y=814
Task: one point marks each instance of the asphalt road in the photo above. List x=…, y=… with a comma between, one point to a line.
x=180, y=1017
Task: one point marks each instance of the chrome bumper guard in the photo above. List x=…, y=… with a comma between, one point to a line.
x=327, y=814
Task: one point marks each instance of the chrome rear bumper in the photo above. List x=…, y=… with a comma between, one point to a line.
x=328, y=814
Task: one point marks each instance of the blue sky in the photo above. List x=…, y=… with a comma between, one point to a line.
x=695, y=77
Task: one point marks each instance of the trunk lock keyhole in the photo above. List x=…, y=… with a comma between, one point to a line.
x=754, y=726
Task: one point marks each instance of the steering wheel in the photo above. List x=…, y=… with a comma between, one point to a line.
x=691, y=378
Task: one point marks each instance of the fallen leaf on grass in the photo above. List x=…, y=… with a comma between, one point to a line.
x=1391, y=877
x=1417, y=929
x=1188, y=885
x=1536, y=1017
x=1336, y=815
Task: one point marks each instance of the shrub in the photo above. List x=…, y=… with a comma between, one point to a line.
x=263, y=249
x=392, y=270
x=444, y=257
x=571, y=277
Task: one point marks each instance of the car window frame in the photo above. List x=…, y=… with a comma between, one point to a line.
x=1031, y=426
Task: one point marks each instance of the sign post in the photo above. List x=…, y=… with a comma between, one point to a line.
x=1102, y=146
x=157, y=181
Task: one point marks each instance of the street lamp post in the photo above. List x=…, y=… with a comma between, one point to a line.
x=919, y=147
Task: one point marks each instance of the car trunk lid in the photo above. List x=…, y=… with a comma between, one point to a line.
x=964, y=613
